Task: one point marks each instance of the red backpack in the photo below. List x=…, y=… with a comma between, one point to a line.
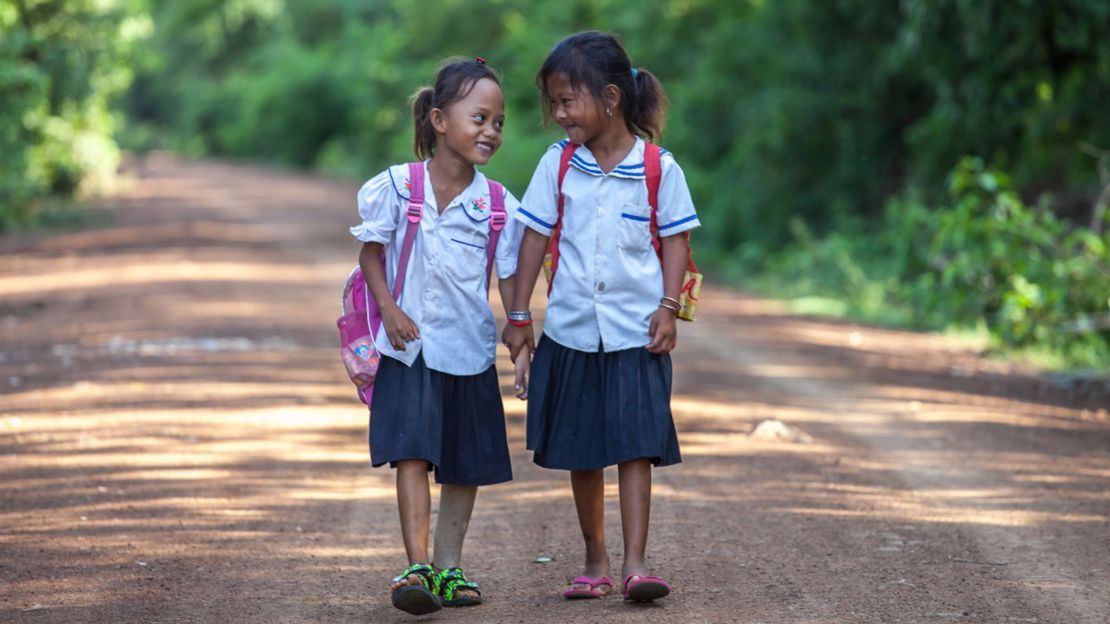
x=361, y=316
x=653, y=171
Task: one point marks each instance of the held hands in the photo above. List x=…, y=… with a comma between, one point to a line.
x=399, y=327
x=517, y=338
x=663, y=331
x=523, y=364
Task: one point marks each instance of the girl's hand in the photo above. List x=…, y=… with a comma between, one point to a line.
x=523, y=364
x=399, y=327
x=663, y=331
x=516, y=338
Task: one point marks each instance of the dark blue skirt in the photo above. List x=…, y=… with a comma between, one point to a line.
x=455, y=423
x=591, y=410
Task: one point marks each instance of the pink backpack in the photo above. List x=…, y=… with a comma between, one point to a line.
x=361, y=317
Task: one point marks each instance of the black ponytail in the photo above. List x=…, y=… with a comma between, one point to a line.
x=424, y=135
x=595, y=60
x=648, y=109
x=454, y=81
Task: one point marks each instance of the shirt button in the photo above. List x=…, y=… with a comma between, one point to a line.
x=601, y=287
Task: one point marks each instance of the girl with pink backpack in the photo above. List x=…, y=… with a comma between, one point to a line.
x=432, y=232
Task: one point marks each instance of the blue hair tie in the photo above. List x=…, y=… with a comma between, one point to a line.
x=634, y=72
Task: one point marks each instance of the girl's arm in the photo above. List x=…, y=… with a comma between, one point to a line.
x=533, y=245
x=398, y=326
x=522, y=363
x=506, y=287
x=663, y=330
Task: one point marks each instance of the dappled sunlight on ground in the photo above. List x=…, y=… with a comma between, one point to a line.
x=178, y=442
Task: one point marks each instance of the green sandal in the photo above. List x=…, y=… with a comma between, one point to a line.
x=417, y=599
x=448, y=582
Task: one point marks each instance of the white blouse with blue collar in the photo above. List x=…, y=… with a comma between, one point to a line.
x=609, y=280
x=445, y=291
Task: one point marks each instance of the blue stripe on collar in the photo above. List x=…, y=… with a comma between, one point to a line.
x=396, y=188
x=628, y=172
x=584, y=166
x=634, y=171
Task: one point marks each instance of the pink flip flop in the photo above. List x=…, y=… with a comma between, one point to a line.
x=595, y=588
x=644, y=588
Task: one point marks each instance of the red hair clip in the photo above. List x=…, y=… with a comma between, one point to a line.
x=481, y=61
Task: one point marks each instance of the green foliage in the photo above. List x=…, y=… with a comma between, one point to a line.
x=984, y=258
x=818, y=137
x=60, y=65
x=1029, y=276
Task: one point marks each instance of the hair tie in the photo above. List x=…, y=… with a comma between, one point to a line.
x=634, y=73
x=481, y=61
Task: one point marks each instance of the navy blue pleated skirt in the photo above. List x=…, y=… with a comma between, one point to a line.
x=591, y=410
x=456, y=423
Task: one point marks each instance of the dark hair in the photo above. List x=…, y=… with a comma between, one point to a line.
x=454, y=81
x=595, y=60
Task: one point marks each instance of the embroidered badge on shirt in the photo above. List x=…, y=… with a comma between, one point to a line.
x=477, y=209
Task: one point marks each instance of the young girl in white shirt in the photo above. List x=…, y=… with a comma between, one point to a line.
x=599, y=393
x=437, y=403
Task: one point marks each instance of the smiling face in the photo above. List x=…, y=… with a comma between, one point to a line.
x=470, y=128
x=576, y=110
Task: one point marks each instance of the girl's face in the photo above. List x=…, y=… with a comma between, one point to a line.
x=576, y=110
x=471, y=126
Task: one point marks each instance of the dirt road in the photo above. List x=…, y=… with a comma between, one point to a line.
x=178, y=444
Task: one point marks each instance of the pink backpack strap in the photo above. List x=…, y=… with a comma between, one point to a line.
x=413, y=214
x=497, y=220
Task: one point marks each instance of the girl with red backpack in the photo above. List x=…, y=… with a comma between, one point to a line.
x=613, y=211
x=431, y=233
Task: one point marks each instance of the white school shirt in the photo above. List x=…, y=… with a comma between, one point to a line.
x=609, y=281
x=445, y=290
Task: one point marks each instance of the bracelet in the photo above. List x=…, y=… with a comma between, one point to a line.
x=672, y=300
x=674, y=309
x=516, y=323
x=520, y=315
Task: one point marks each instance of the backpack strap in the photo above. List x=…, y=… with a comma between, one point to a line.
x=497, y=220
x=653, y=173
x=413, y=214
x=556, y=232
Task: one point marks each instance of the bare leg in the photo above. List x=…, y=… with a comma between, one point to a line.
x=456, y=503
x=415, y=505
x=589, y=499
x=635, y=489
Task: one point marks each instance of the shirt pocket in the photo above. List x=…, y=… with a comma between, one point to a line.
x=634, y=229
x=468, y=255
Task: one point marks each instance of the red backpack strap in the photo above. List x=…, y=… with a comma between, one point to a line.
x=497, y=220
x=413, y=214
x=653, y=172
x=556, y=232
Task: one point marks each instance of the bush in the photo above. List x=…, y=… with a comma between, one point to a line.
x=1032, y=278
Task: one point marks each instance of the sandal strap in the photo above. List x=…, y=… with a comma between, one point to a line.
x=423, y=571
x=451, y=580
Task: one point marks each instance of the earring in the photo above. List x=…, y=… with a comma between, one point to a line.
x=609, y=112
